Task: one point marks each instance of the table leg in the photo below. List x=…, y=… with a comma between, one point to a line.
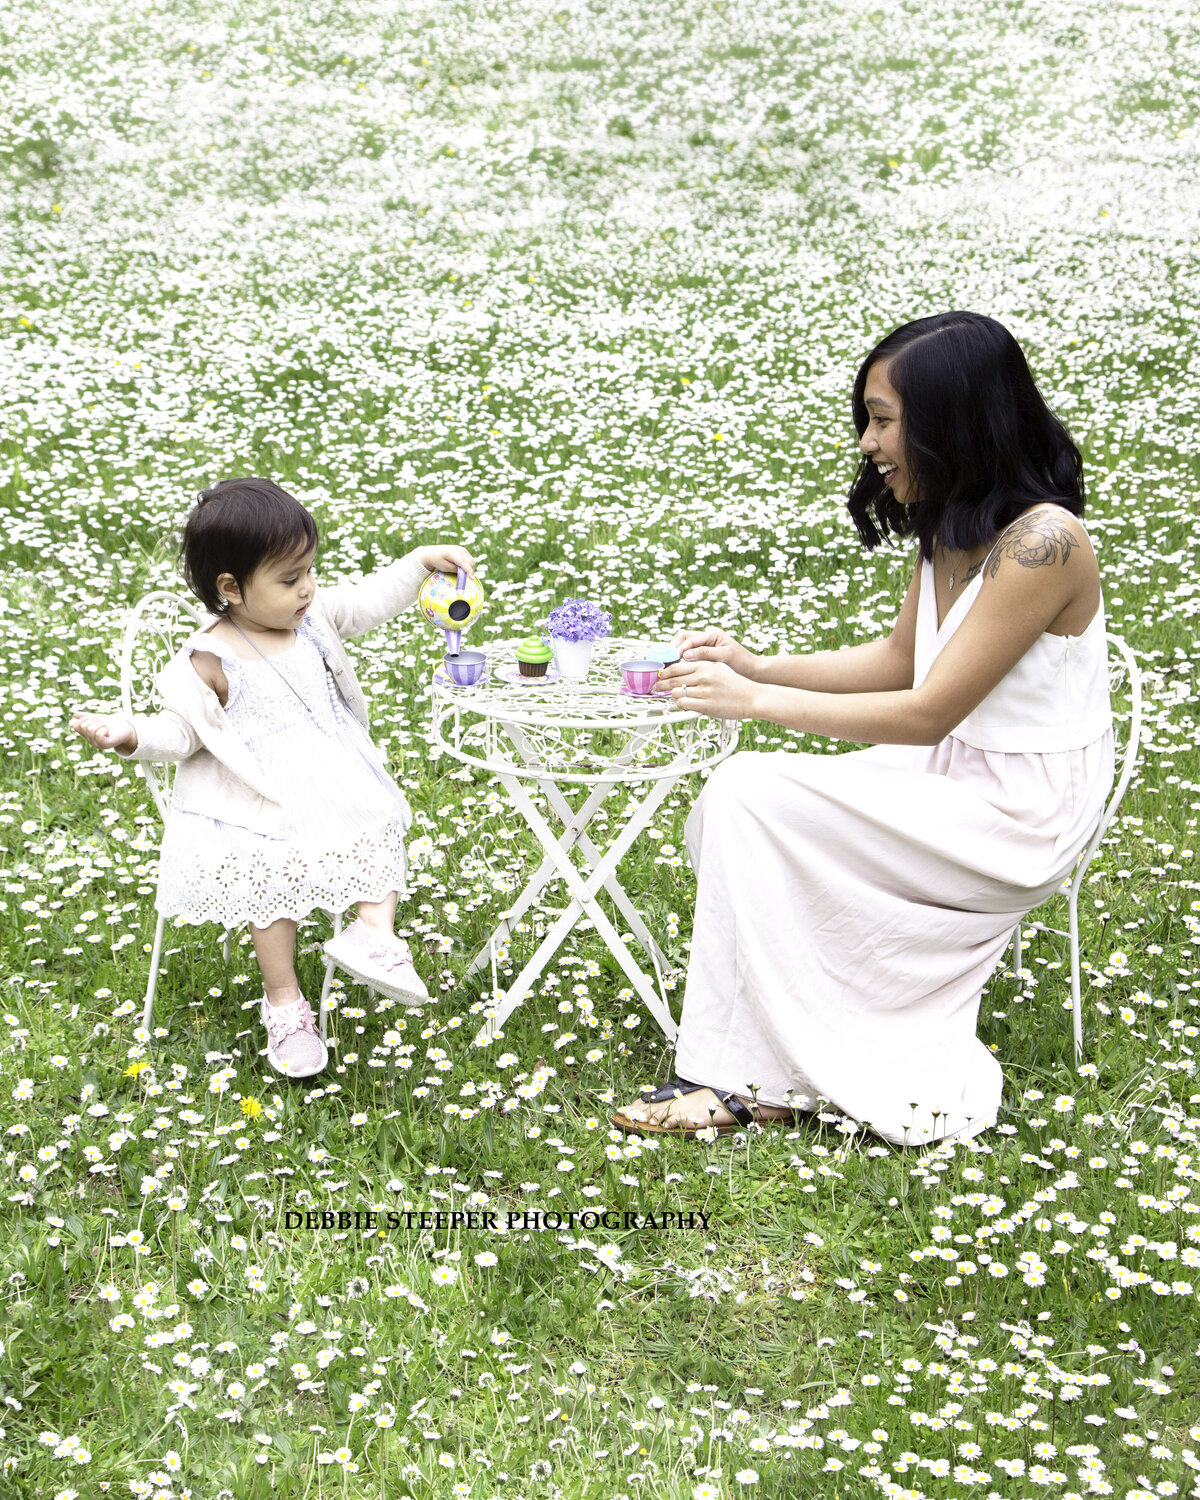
x=583, y=894
x=574, y=825
x=620, y=900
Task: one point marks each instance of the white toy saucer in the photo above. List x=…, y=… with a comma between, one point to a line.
x=511, y=672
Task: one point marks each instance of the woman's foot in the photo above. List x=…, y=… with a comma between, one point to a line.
x=682, y=1108
x=294, y=1046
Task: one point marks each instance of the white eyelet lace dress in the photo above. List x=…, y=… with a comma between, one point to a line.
x=348, y=817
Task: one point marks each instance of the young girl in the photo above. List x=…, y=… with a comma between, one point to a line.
x=281, y=803
x=850, y=907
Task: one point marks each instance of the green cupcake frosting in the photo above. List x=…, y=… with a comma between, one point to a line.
x=533, y=648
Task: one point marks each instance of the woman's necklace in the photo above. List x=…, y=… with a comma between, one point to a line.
x=970, y=573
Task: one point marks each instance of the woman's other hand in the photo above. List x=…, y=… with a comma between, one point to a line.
x=717, y=645
x=115, y=733
x=712, y=688
x=444, y=557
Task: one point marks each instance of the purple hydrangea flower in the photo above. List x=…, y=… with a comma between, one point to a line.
x=577, y=620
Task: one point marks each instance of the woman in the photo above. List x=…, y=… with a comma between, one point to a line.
x=851, y=907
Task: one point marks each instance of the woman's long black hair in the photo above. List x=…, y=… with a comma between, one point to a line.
x=980, y=443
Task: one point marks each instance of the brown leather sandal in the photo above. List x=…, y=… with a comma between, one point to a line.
x=676, y=1088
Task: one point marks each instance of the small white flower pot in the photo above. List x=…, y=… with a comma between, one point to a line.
x=572, y=658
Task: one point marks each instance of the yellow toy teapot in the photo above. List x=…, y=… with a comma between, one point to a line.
x=452, y=603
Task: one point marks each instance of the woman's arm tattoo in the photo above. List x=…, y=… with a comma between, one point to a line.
x=1034, y=542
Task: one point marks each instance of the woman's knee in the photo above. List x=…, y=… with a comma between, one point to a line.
x=742, y=780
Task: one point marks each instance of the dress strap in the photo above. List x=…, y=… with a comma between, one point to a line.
x=313, y=631
x=203, y=640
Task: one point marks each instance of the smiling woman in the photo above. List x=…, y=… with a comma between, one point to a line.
x=851, y=907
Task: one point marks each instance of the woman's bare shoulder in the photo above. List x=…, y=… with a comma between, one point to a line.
x=1045, y=560
x=1044, y=536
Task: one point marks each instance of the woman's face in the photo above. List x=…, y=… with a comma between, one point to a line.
x=882, y=440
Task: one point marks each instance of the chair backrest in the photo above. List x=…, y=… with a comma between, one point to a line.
x=1123, y=672
x=156, y=627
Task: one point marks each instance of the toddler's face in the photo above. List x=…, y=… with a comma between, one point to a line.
x=277, y=593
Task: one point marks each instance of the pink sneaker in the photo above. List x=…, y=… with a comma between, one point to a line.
x=382, y=961
x=294, y=1047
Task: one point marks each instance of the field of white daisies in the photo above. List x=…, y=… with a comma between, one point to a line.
x=584, y=287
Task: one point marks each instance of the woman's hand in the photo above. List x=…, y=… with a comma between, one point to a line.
x=712, y=688
x=446, y=558
x=717, y=645
x=115, y=733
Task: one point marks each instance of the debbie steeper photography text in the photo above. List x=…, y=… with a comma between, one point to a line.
x=517, y=1220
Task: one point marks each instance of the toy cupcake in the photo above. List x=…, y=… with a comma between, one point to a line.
x=664, y=654
x=533, y=656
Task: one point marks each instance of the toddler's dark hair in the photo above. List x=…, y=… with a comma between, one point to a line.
x=234, y=528
x=980, y=443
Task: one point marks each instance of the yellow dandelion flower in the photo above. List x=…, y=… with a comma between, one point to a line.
x=252, y=1108
x=134, y=1069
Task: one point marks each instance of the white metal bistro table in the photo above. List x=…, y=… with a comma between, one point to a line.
x=586, y=733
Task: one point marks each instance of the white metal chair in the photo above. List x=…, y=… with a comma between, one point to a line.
x=157, y=626
x=1123, y=668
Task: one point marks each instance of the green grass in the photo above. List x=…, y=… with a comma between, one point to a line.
x=640, y=231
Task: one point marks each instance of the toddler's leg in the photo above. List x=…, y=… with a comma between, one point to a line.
x=379, y=916
x=370, y=951
x=275, y=949
x=293, y=1046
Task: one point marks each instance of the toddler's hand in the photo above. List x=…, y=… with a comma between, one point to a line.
x=115, y=733
x=446, y=558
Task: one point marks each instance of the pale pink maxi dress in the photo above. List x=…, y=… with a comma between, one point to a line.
x=851, y=907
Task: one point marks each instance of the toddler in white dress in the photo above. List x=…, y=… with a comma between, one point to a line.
x=281, y=804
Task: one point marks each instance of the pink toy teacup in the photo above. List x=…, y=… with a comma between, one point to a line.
x=465, y=668
x=640, y=676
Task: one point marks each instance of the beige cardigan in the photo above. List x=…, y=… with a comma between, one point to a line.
x=217, y=775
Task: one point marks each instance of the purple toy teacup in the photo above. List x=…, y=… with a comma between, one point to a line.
x=640, y=676
x=465, y=668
